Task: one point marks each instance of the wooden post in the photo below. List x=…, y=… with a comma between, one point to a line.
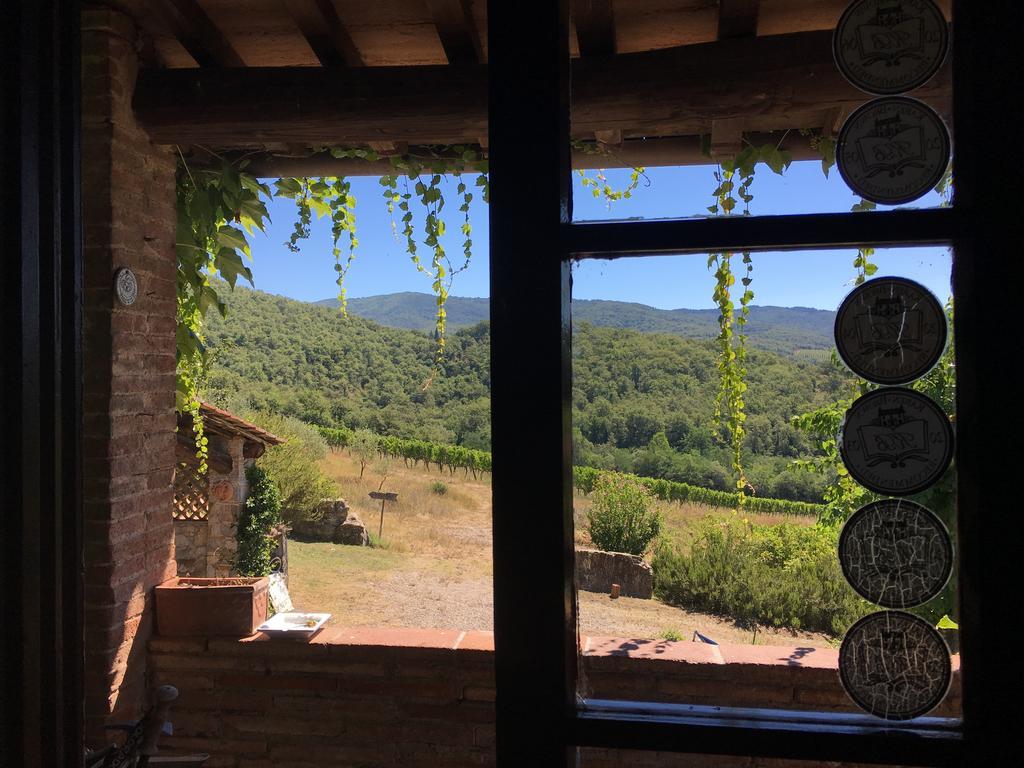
x=384, y=496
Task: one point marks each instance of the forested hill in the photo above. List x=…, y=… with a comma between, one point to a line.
x=641, y=402
x=778, y=329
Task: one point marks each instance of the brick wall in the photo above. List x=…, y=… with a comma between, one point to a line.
x=405, y=697
x=129, y=445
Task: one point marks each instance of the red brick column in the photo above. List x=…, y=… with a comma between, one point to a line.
x=129, y=221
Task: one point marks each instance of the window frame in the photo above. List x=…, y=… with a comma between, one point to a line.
x=533, y=243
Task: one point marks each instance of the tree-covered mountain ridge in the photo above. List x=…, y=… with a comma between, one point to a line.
x=642, y=402
x=786, y=330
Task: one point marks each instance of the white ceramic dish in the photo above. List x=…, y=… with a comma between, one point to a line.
x=294, y=624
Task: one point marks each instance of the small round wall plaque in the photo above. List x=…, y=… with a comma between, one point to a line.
x=895, y=553
x=895, y=441
x=126, y=285
x=890, y=330
x=893, y=150
x=887, y=47
x=895, y=665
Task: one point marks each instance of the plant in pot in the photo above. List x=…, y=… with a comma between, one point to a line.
x=234, y=605
x=228, y=606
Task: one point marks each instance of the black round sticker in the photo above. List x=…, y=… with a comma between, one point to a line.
x=895, y=553
x=893, y=150
x=890, y=330
x=895, y=441
x=887, y=47
x=895, y=665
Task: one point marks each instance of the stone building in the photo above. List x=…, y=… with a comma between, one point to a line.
x=206, y=506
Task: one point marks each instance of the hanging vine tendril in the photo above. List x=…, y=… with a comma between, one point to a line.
x=734, y=177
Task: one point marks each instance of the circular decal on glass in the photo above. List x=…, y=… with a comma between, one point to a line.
x=895, y=553
x=126, y=285
x=893, y=150
x=890, y=330
x=895, y=665
x=890, y=46
x=895, y=441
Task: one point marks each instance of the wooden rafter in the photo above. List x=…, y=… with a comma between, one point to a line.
x=198, y=35
x=772, y=83
x=457, y=30
x=595, y=27
x=737, y=18
x=325, y=32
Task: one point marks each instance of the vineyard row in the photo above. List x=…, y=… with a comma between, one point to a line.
x=452, y=457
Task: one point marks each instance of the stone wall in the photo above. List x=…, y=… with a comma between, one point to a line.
x=128, y=197
x=227, y=497
x=596, y=571
x=190, y=539
x=336, y=522
x=425, y=697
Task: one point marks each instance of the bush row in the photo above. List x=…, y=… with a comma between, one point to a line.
x=782, y=575
x=454, y=457
x=668, y=490
x=450, y=457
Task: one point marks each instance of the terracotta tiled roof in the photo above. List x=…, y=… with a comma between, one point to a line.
x=218, y=421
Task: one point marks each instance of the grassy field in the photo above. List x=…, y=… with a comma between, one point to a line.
x=433, y=565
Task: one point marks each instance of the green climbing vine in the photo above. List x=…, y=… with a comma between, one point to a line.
x=734, y=177
x=220, y=206
x=598, y=184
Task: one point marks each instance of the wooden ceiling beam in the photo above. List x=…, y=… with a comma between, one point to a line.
x=649, y=153
x=457, y=30
x=595, y=27
x=737, y=18
x=777, y=82
x=198, y=35
x=323, y=29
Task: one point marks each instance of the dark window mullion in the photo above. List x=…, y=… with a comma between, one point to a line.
x=792, y=740
x=534, y=602
x=608, y=240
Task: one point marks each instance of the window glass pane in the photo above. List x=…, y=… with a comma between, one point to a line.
x=711, y=492
x=385, y=476
x=612, y=758
x=765, y=95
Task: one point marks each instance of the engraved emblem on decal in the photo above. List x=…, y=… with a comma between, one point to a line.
x=896, y=441
x=888, y=47
x=893, y=150
x=890, y=330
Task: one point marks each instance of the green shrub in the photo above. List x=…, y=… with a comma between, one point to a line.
x=439, y=488
x=670, y=634
x=621, y=518
x=259, y=515
x=781, y=575
x=294, y=466
x=364, y=446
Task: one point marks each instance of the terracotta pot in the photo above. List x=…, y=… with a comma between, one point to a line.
x=223, y=491
x=232, y=606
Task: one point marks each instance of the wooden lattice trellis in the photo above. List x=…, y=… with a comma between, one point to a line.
x=191, y=493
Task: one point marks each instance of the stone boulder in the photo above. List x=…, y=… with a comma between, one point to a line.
x=335, y=523
x=596, y=571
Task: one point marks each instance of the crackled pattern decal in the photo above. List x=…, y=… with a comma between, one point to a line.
x=895, y=665
x=890, y=330
x=895, y=553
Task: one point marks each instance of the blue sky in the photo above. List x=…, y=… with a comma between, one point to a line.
x=811, y=279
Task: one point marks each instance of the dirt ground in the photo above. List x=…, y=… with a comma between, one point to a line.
x=434, y=566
